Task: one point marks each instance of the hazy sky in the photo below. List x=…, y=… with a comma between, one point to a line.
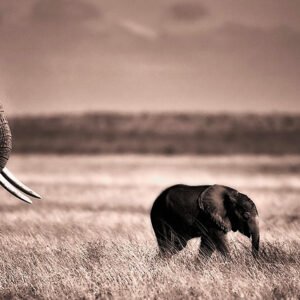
x=142, y=55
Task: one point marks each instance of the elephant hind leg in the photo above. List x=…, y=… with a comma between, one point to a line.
x=207, y=247
x=180, y=242
x=169, y=242
x=173, y=244
x=161, y=234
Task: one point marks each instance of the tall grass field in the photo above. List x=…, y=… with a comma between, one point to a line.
x=91, y=237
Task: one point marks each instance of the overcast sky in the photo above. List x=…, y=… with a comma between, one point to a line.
x=142, y=55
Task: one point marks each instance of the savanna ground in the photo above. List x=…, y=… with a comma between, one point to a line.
x=91, y=237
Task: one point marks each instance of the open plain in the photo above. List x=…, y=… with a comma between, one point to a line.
x=91, y=237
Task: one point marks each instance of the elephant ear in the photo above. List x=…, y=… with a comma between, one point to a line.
x=214, y=201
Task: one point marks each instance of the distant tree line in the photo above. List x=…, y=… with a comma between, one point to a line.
x=110, y=133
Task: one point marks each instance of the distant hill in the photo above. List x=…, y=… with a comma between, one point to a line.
x=158, y=134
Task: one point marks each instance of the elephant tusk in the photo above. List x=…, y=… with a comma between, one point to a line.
x=18, y=184
x=10, y=188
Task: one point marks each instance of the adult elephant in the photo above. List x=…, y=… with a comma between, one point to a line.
x=7, y=179
x=183, y=212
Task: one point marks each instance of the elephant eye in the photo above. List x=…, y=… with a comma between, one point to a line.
x=246, y=215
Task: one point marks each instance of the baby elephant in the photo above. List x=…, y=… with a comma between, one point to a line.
x=183, y=212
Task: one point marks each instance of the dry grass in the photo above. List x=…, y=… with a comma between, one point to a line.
x=91, y=237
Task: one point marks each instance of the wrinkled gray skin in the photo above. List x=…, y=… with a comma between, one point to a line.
x=183, y=212
x=5, y=140
x=7, y=179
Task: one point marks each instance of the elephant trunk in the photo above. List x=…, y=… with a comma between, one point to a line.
x=254, y=231
x=5, y=140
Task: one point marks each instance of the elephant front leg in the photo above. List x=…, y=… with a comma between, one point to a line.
x=221, y=243
x=216, y=240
